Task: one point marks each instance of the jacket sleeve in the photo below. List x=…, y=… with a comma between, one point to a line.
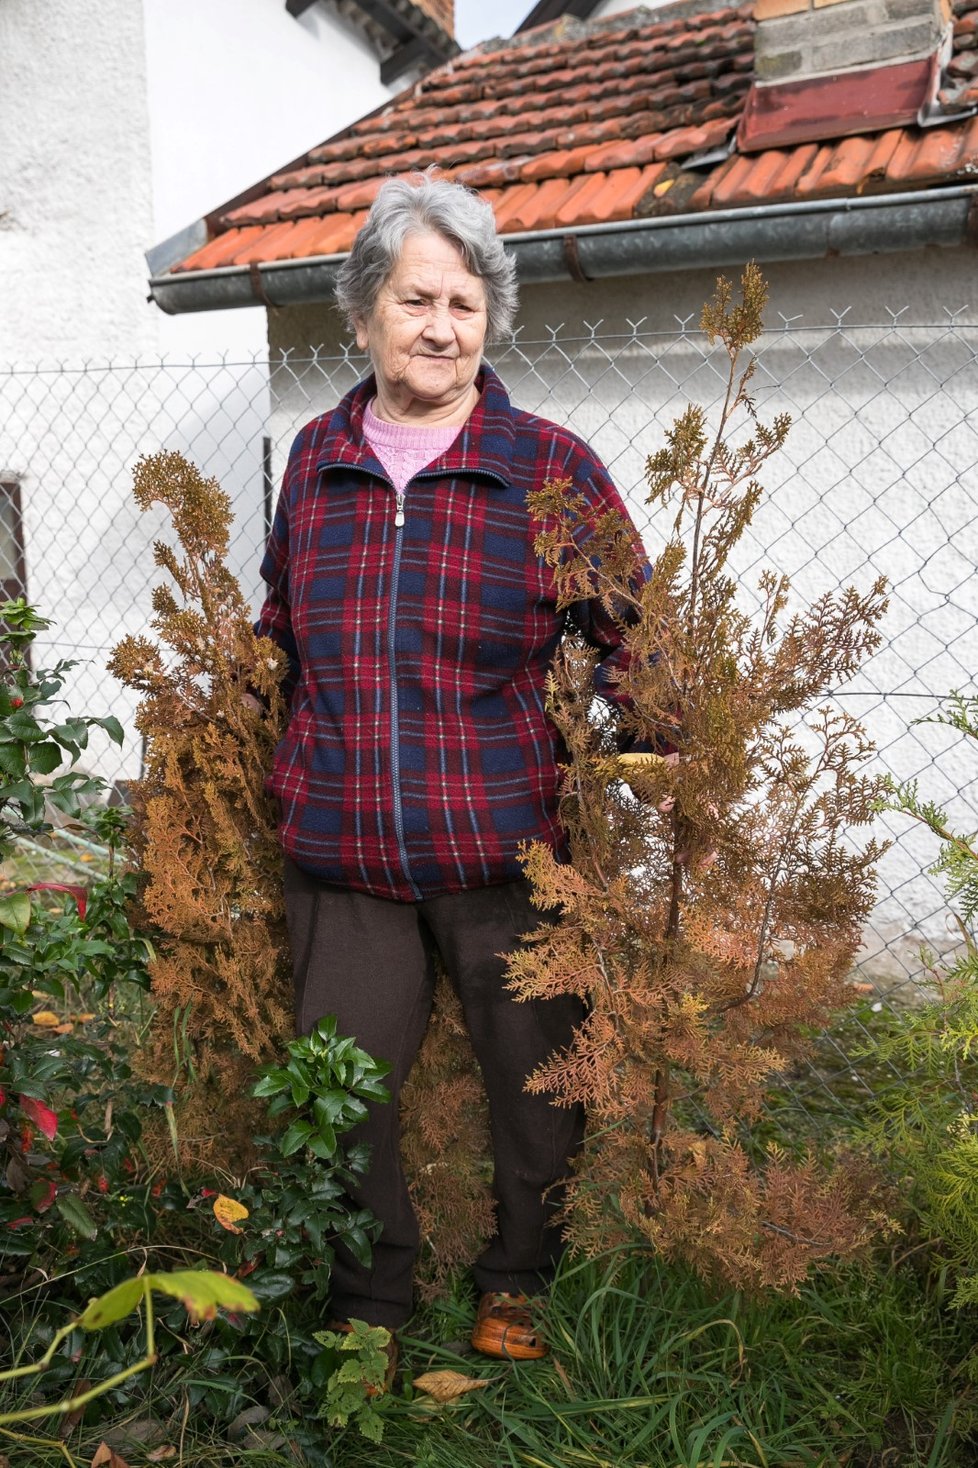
x=275, y=619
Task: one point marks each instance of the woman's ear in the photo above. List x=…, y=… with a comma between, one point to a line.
x=360, y=327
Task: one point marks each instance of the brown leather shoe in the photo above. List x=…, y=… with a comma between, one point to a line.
x=504, y=1329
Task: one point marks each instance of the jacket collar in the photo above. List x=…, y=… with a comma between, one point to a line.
x=483, y=448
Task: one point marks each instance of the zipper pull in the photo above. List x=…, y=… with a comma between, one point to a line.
x=399, y=517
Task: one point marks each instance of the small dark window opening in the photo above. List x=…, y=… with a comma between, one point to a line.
x=13, y=569
x=13, y=572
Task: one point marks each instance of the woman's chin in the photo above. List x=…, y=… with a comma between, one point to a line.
x=436, y=389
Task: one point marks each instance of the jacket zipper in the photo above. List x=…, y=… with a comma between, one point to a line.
x=394, y=720
x=392, y=675
x=399, y=498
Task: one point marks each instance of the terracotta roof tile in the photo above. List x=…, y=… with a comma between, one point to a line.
x=578, y=207
x=730, y=180
x=686, y=141
x=560, y=163
x=589, y=123
x=848, y=166
x=920, y=160
x=273, y=243
x=511, y=201
x=221, y=251
x=538, y=210
x=499, y=172
x=358, y=195
x=777, y=173
x=303, y=202
x=635, y=151
x=622, y=190
x=264, y=210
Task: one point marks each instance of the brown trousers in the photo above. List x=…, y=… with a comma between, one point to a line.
x=370, y=962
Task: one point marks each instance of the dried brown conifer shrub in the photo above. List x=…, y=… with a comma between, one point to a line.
x=203, y=837
x=713, y=920
x=202, y=831
x=445, y=1147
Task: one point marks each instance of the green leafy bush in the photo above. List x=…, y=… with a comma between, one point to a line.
x=82, y=1205
x=924, y=1122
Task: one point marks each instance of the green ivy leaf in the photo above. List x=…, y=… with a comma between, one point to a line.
x=112, y=727
x=204, y=1291
x=24, y=726
x=45, y=758
x=13, y=760
x=15, y=911
x=77, y=1216
x=271, y=1284
x=114, y=1305
x=294, y=1137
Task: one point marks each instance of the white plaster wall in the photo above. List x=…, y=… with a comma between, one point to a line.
x=617, y=7
x=121, y=122
x=236, y=90
x=879, y=475
x=75, y=194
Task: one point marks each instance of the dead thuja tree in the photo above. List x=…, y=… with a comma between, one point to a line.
x=710, y=918
x=203, y=833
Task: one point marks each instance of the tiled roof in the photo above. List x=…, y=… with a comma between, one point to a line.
x=589, y=123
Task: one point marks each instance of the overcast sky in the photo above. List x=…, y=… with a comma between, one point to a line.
x=477, y=20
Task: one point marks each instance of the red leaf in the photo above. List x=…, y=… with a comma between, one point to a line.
x=42, y=1116
x=43, y=1194
x=80, y=894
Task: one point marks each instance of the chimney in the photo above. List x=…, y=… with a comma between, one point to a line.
x=803, y=39
x=442, y=12
x=828, y=68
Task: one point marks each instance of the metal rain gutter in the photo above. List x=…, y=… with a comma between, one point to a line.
x=882, y=224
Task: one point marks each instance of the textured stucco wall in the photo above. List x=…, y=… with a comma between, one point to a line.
x=236, y=90
x=120, y=123
x=75, y=193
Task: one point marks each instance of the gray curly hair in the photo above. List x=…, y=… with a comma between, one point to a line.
x=405, y=206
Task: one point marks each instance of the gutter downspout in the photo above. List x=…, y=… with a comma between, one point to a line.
x=816, y=229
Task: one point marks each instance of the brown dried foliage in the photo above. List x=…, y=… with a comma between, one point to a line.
x=712, y=921
x=203, y=833
x=445, y=1147
x=203, y=836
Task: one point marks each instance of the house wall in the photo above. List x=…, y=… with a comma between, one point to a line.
x=879, y=475
x=121, y=123
x=236, y=89
x=75, y=191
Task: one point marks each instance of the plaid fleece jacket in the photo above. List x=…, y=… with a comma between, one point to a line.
x=419, y=754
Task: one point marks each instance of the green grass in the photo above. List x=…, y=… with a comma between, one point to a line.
x=648, y=1371
x=867, y=1368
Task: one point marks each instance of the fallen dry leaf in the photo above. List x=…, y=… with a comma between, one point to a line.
x=46, y=1017
x=445, y=1386
x=161, y=1454
x=106, y=1457
x=227, y=1211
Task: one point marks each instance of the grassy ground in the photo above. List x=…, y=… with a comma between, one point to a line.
x=866, y=1368
x=649, y=1371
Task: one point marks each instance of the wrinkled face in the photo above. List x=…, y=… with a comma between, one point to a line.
x=427, y=328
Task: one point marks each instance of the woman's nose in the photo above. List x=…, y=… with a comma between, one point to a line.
x=438, y=324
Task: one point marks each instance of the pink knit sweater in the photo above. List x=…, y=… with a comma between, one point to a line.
x=403, y=449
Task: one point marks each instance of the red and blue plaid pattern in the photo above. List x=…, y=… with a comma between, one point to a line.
x=419, y=754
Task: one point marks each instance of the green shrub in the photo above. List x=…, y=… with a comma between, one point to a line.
x=924, y=1122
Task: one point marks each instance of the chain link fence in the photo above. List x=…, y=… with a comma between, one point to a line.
x=879, y=476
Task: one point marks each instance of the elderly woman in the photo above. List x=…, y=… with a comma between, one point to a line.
x=419, y=627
